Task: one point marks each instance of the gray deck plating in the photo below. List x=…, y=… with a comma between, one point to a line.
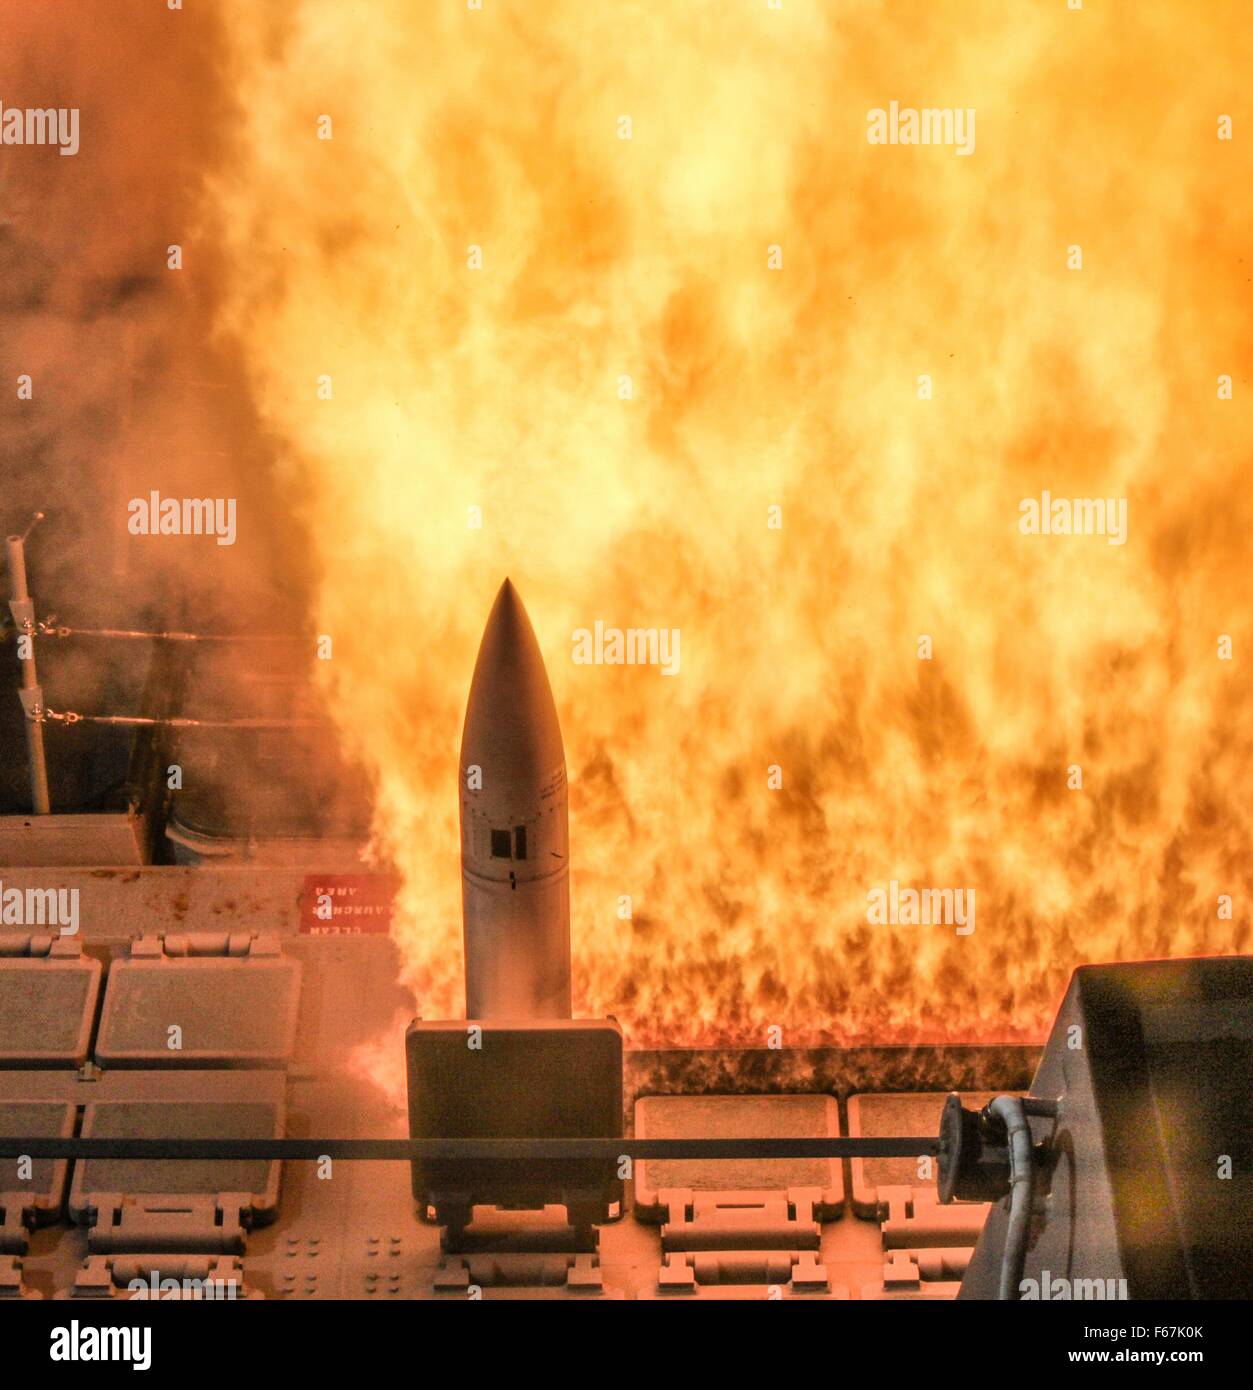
x=349, y=1229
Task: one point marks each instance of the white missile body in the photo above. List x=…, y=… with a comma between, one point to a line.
x=515, y=837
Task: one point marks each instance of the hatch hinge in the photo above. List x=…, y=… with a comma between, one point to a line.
x=184, y=1222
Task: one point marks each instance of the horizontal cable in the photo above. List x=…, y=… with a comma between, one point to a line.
x=518, y=1149
x=52, y=716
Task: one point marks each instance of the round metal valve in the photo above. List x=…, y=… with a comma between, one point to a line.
x=973, y=1160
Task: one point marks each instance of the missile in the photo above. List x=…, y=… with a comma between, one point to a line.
x=515, y=834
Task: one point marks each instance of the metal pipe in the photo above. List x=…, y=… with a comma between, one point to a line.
x=1010, y=1110
x=179, y=722
x=53, y=629
x=23, y=610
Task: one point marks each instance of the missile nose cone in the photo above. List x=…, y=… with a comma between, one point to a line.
x=515, y=843
x=511, y=722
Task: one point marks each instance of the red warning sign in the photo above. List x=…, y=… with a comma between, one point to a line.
x=346, y=904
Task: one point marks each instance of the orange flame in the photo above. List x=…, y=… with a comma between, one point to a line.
x=626, y=351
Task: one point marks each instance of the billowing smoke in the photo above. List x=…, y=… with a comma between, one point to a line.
x=113, y=383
